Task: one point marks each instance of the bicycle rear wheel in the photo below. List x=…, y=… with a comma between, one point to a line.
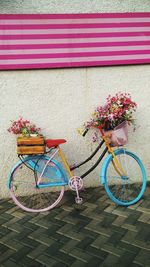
x=128, y=188
x=37, y=184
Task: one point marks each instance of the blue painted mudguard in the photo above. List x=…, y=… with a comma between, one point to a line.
x=31, y=164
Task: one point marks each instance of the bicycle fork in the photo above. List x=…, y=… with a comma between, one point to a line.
x=115, y=161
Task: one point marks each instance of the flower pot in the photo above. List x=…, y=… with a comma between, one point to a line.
x=30, y=145
x=33, y=135
x=119, y=136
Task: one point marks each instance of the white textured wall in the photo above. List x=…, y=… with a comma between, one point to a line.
x=60, y=100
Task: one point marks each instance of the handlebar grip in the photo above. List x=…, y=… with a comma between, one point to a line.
x=85, y=132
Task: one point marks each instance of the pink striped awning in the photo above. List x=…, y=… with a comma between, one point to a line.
x=73, y=40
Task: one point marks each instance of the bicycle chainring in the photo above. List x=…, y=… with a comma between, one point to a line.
x=75, y=183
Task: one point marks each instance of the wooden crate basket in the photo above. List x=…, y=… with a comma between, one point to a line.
x=30, y=145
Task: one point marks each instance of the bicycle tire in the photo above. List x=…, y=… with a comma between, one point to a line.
x=129, y=189
x=32, y=197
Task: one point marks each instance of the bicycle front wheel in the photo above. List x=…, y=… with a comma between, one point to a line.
x=126, y=188
x=37, y=184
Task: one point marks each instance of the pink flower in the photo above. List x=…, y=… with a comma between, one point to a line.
x=22, y=126
x=118, y=108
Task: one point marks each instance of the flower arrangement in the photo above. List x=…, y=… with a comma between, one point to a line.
x=118, y=108
x=23, y=127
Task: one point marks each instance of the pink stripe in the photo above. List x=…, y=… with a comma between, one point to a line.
x=70, y=25
x=75, y=16
x=73, y=55
x=75, y=40
x=79, y=21
x=72, y=60
x=75, y=31
x=74, y=50
x=72, y=45
x=74, y=64
x=69, y=36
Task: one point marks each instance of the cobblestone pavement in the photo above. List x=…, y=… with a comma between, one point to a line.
x=96, y=233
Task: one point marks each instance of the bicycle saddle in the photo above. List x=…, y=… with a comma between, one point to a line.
x=54, y=142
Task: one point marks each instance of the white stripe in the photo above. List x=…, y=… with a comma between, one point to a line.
x=74, y=50
x=81, y=30
x=75, y=40
x=77, y=59
x=72, y=21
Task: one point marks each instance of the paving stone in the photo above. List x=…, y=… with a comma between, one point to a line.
x=46, y=261
x=78, y=263
x=71, y=234
x=10, y=263
x=110, y=208
x=86, y=242
x=143, y=258
x=142, y=244
x=95, y=227
x=110, y=261
x=144, y=233
x=119, y=221
x=130, y=227
x=99, y=241
x=126, y=259
x=144, y=217
x=129, y=247
x=20, y=253
x=133, y=217
x=80, y=255
x=60, y=264
x=121, y=211
x=64, y=258
x=4, y=231
x=12, y=244
x=53, y=248
x=8, y=236
x=34, y=253
x=136, y=205
x=27, y=262
x=3, y=248
x=96, y=262
x=6, y=216
x=69, y=246
x=97, y=252
x=112, y=249
x=7, y=254
x=129, y=237
x=115, y=238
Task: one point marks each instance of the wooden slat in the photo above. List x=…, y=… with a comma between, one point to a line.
x=25, y=150
x=30, y=145
x=38, y=140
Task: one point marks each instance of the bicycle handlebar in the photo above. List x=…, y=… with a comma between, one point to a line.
x=85, y=132
x=98, y=127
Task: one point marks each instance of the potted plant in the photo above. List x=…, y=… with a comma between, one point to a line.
x=113, y=117
x=29, y=140
x=24, y=128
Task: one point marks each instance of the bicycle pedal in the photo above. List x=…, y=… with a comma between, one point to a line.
x=79, y=200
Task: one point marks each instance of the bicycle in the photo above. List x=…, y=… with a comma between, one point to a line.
x=37, y=182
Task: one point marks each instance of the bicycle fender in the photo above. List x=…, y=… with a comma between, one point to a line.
x=103, y=169
x=32, y=166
